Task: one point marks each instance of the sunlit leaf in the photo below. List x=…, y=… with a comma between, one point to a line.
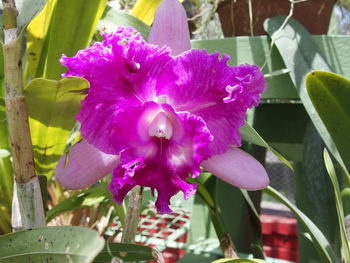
x=37, y=40
x=52, y=106
x=72, y=27
x=145, y=10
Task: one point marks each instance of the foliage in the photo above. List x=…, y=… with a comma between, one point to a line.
x=126, y=252
x=339, y=206
x=52, y=244
x=330, y=95
x=52, y=106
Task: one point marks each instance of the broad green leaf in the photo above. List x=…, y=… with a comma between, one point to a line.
x=239, y=260
x=27, y=10
x=52, y=106
x=330, y=95
x=145, y=10
x=72, y=27
x=126, y=252
x=89, y=197
x=339, y=206
x=320, y=242
x=51, y=244
x=37, y=41
x=301, y=55
x=112, y=18
x=249, y=134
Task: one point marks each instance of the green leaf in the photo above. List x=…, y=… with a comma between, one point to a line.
x=89, y=197
x=72, y=28
x=249, y=134
x=27, y=10
x=52, y=106
x=112, y=18
x=126, y=252
x=239, y=260
x=301, y=55
x=330, y=95
x=320, y=242
x=51, y=244
x=339, y=206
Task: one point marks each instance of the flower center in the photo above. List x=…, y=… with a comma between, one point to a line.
x=162, y=99
x=161, y=126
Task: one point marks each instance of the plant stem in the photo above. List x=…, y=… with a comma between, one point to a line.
x=28, y=204
x=226, y=244
x=132, y=215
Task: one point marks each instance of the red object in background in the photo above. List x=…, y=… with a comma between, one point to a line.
x=280, y=237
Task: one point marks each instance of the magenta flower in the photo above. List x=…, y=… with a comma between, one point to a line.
x=152, y=118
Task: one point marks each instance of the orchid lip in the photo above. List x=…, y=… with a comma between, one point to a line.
x=161, y=126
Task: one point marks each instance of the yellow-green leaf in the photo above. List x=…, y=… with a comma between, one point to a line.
x=37, y=31
x=72, y=27
x=52, y=106
x=145, y=10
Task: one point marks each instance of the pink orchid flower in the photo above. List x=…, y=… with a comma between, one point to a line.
x=154, y=115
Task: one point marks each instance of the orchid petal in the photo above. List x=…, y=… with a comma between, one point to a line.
x=238, y=168
x=122, y=71
x=86, y=165
x=206, y=86
x=170, y=27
